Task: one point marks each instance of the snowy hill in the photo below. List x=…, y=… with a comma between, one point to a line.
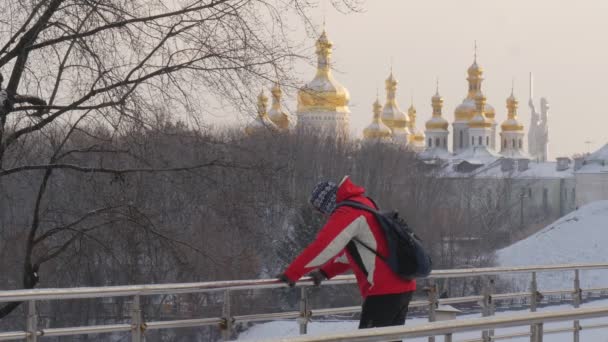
x=579, y=237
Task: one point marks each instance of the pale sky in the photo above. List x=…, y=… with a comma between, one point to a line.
x=562, y=42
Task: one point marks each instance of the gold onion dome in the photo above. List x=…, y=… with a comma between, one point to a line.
x=511, y=124
x=262, y=122
x=377, y=129
x=276, y=113
x=392, y=116
x=437, y=122
x=416, y=134
x=323, y=93
x=467, y=109
x=480, y=119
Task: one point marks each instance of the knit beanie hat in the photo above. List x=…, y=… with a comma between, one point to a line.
x=323, y=197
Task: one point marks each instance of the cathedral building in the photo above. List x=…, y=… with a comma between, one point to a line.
x=323, y=102
x=322, y=107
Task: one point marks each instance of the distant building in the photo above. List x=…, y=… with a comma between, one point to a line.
x=592, y=177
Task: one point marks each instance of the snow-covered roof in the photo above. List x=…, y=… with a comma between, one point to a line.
x=599, y=155
x=477, y=155
x=534, y=171
x=596, y=162
x=434, y=153
x=579, y=237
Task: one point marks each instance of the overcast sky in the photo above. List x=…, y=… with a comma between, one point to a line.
x=562, y=42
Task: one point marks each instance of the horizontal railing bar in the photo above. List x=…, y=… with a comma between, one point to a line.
x=336, y=311
x=594, y=326
x=94, y=329
x=184, y=323
x=596, y=289
x=266, y=316
x=160, y=289
x=13, y=335
x=450, y=327
x=458, y=300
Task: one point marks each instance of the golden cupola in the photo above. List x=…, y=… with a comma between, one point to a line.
x=262, y=122
x=276, y=113
x=323, y=93
x=437, y=122
x=377, y=129
x=480, y=120
x=467, y=109
x=392, y=116
x=511, y=124
x=417, y=136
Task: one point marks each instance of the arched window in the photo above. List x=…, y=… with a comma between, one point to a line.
x=430, y=142
x=480, y=141
x=487, y=141
x=445, y=142
x=505, y=143
x=514, y=143
x=437, y=142
x=520, y=144
x=473, y=141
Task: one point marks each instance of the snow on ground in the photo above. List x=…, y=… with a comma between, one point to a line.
x=579, y=237
x=278, y=329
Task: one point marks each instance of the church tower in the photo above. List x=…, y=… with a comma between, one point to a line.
x=276, y=113
x=512, y=134
x=417, y=137
x=377, y=130
x=480, y=126
x=467, y=110
x=437, y=127
x=392, y=116
x=323, y=102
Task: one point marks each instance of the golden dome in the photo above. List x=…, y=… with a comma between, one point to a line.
x=480, y=120
x=417, y=135
x=377, y=129
x=323, y=93
x=467, y=109
x=511, y=124
x=276, y=113
x=392, y=116
x=437, y=122
x=262, y=122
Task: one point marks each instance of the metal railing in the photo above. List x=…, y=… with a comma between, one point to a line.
x=138, y=326
x=448, y=328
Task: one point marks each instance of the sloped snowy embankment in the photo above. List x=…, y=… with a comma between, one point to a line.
x=579, y=237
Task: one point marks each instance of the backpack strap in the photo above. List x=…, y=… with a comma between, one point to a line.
x=362, y=206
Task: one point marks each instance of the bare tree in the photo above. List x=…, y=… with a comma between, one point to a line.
x=110, y=69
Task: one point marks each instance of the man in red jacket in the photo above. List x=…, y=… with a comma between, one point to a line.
x=386, y=295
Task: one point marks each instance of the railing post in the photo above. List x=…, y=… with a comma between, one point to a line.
x=32, y=322
x=538, y=332
x=487, y=305
x=533, y=297
x=226, y=324
x=304, y=312
x=137, y=322
x=433, y=302
x=576, y=302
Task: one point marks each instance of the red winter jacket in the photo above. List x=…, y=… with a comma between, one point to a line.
x=329, y=253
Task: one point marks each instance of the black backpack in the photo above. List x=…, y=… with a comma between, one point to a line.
x=407, y=257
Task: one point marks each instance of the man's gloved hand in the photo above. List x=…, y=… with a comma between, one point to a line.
x=282, y=277
x=317, y=277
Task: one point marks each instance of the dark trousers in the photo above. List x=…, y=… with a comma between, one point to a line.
x=385, y=310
